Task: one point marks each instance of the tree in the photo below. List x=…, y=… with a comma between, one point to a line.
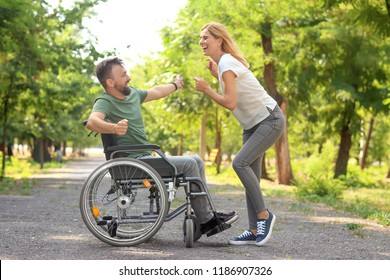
x=363, y=82
x=42, y=88
x=337, y=71
x=16, y=50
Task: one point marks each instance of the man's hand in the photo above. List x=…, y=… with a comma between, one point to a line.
x=179, y=82
x=121, y=127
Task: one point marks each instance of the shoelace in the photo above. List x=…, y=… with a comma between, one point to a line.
x=245, y=234
x=260, y=227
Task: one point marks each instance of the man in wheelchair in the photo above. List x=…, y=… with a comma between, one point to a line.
x=118, y=111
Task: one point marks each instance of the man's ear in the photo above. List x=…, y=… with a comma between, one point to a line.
x=110, y=83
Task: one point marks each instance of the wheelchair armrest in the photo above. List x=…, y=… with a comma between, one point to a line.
x=132, y=148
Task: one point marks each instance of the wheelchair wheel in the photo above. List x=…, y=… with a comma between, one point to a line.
x=124, y=202
x=196, y=228
x=189, y=232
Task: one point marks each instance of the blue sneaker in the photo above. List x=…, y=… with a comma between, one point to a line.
x=247, y=237
x=264, y=229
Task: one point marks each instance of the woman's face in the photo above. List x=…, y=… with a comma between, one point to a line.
x=209, y=43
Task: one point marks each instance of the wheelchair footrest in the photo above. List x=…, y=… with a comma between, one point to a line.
x=102, y=223
x=218, y=228
x=105, y=220
x=150, y=213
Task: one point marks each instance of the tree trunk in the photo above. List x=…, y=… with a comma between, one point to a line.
x=264, y=173
x=343, y=154
x=345, y=141
x=363, y=157
x=40, y=152
x=285, y=175
x=283, y=163
x=203, y=137
x=388, y=174
x=5, y=121
x=64, y=145
x=180, y=146
x=3, y=141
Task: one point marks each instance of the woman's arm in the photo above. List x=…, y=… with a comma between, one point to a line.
x=229, y=98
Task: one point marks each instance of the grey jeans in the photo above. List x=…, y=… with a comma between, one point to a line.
x=247, y=163
x=193, y=166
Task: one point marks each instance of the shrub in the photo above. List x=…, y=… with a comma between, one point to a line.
x=312, y=187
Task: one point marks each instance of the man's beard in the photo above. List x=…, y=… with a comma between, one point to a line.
x=126, y=90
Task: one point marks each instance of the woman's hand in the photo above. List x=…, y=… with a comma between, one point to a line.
x=213, y=67
x=201, y=85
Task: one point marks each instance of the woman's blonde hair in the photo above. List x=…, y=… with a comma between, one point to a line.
x=218, y=30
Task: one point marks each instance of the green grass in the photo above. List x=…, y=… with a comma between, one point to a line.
x=357, y=229
x=17, y=175
x=365, y=195
x=19, y=168
x=10, y=186
x=228, y=177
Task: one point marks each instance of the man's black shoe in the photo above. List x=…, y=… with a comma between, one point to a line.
x=227, y=218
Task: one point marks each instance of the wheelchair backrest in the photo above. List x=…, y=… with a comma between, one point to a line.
x=108, y=140
x=160, y=164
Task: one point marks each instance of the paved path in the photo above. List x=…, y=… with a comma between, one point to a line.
x=46, y=225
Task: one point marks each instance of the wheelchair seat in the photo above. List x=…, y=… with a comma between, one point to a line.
x=159, y=163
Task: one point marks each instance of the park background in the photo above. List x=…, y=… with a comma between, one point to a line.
x=326, y=63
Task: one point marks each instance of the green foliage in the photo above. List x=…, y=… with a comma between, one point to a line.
x=321, y=161
x=18, y=168
x=315, y=174
x=45, y=66
x=373, y=177
x=312, y=188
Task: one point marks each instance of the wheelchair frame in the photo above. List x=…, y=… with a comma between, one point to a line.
x=125, y=201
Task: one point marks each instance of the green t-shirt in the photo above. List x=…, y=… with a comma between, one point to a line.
x=130, y=108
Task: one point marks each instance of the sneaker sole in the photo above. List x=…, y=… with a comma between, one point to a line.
x=262, y=242
x=233, y=242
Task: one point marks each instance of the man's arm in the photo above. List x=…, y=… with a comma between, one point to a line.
x=162, y=91
x=97, y=123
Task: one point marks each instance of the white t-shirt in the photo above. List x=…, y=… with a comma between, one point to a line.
x=252, y=99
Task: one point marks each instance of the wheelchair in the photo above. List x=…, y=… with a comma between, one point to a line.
x=125, y=201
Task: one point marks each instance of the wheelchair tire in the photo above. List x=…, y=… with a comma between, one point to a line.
x=124, y=202
x=189, y=232
x=197, y=232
